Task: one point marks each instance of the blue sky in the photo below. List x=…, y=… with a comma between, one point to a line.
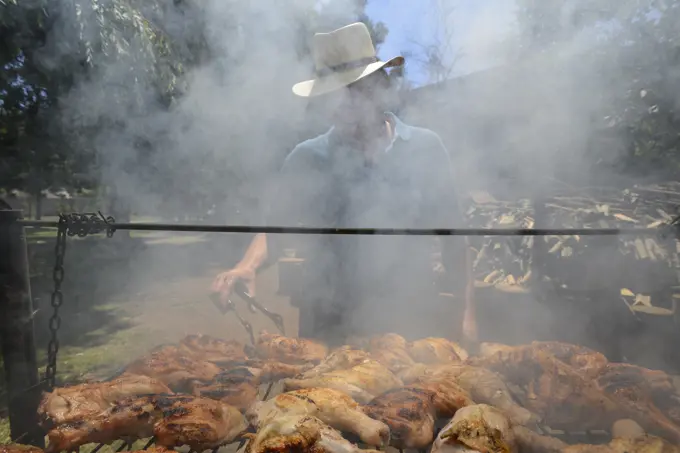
x=475, y=27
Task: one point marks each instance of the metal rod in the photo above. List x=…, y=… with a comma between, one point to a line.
x=16, y=332
x=149, y=443
x=188, y=228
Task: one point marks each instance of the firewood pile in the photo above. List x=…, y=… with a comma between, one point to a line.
x=568, y=262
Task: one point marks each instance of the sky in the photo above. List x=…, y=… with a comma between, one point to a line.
x=477, y=29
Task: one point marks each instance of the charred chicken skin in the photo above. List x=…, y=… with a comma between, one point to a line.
x=436, y=350
x=563, y=397
x=582, y=359
x=332, y=407
x=290, y=350
x=174, y=420
x=64, y=405
x=210, y=349
x=173, y=367
x=411, y=411
x=483, y=385
x=238, y=385
x=300, y=433
x=362, y=382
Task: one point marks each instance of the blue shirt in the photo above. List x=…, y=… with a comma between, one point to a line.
x=324, y=182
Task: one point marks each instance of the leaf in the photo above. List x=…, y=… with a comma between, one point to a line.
x=624, y=218
x=641, y=299
x=627, y=292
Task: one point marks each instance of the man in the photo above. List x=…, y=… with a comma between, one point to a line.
x=369, y=170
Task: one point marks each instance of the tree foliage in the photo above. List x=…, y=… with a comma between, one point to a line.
x=637, y=48
x=89, y=89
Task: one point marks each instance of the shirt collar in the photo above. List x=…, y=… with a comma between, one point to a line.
x=402, y=130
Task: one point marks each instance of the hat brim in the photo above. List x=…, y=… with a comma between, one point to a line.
x=324, y=85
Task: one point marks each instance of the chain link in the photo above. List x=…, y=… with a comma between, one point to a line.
x=56, y=301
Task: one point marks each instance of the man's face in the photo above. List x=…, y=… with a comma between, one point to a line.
x=361, y=104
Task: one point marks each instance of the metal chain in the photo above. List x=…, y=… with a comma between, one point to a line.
x=56, y=301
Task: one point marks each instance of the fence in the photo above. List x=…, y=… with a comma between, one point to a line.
x=16, y=310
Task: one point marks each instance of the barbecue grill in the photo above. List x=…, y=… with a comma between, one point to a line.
x=25, y=387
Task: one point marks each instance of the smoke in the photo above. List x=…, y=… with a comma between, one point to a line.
x=518, y=123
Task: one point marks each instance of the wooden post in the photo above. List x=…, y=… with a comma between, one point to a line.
x=16, y=333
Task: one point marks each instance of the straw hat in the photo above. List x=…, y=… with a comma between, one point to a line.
x=342, y=57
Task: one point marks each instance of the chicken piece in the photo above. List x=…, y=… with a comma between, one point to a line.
x=529, y=441
x=657, y=385
x=483, y=385
x=210, y=349
x=239, y=384
x=300, y=433
x=391, y=350
x=561, y=396
x=65, y=405
x=332, y=407
x=477, y=428
x=436, y=350
x=174, y=420
x=448, y=395
x=582, y=359
x=174, y=368
x=290, y=350
x=236, y=386
x=341, y=358
x=641, y=393
x=627, y=437
x=409, y=413
x=362, y=382
x=19, y=448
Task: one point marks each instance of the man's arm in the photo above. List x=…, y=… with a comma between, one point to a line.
x=457, y=256
x=263, y=249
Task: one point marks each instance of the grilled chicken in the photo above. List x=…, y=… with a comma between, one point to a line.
x=173, y=367
x=341, y=358
x=410, y=412
x=300, y=433
x=627, y=437
x=483, y=385
x=174, y=420
x=484, y=428
x=210, y=349
x=436, y=350
x=362, y=382
x=477, y=428
x=582, y=359
x=563, y=397
x=645, y=395
x=332, y=407
x=410, y=415
x=391, y=350
x=290, y=350
x=19, y=448
x=568, y=399
x=238, y=385
x=64, y=405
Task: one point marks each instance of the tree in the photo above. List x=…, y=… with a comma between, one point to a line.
x=637, y=56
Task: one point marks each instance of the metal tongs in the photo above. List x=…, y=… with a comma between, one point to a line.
x=277, y=319
x=231, y=307
x=253, y=305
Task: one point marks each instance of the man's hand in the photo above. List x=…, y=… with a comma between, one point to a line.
x=224, y=282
